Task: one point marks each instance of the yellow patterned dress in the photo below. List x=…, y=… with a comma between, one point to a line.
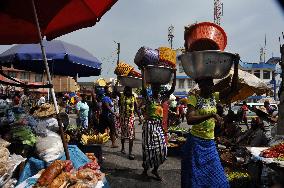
x=127, y=117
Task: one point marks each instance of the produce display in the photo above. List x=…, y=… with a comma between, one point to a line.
x=61, y=174
x=87, y=139
x=274, y=151
x=24, y=135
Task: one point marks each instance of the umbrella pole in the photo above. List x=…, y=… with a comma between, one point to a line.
x=50, y=82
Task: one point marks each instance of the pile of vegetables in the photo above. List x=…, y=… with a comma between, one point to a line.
x=274, y=151
x=24, y=135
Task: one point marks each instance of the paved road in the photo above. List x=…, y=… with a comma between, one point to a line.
x=123, y=173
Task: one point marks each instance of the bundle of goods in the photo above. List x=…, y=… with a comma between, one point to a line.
x=8, y=164
x=49, y=147
x=205, y=57
x=276, y=151
x=124, y=69
x=204, y=36
x=127, y=76
x=162, y=56
x=62, y=174
x=94, y=138
x=161, y=61
x=4, y=156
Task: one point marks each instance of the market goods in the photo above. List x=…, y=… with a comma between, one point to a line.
x=51, y=172
x=123, y=69
x=172, y=145
x=181, y=139
x=94, y=139
x=237, y=175
x=24, y=135
x=4, y=143
x=3, y=168
x=60, y=180
x=167, y=56
x=134, y=73
x=49, y=148
x=204, y=36
x=4, y=154
x=87, y=174
x=91, y=165
x=146, y=56
x=274, y=151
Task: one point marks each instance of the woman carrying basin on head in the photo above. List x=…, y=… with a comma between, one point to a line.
x=201, y=166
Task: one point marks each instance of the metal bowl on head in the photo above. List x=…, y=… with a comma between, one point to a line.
x=158, y=74
x=130, y=81
x=209, y=63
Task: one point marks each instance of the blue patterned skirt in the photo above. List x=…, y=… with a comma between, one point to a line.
x=201, y=166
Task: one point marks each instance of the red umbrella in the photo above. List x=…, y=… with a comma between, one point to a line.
x=56, y=18
x=26, y=21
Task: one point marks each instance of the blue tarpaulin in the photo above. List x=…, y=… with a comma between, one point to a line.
x=63, y=59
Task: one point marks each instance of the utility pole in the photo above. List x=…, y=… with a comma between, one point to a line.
x=218, y=11
x=118, y=52
x=171, y=35
x=280, y=127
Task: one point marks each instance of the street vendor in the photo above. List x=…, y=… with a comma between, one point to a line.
x=201, y=166
x=153, y=140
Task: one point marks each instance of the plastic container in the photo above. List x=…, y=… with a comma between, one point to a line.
x=204, y=36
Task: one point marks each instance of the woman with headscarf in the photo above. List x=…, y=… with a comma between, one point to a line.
x=201, y=166
x=128, y=105
x=154, y=146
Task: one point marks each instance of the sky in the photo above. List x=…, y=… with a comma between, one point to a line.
x=137, y=23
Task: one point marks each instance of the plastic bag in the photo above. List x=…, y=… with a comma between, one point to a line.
x=50, y=148
x=43, y=127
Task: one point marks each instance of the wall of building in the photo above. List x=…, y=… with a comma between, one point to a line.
x=60, y=83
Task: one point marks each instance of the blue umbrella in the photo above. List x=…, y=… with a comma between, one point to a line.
x=63, y=59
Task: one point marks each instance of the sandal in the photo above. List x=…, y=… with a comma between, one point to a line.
x=157, y=176
x=131, y=157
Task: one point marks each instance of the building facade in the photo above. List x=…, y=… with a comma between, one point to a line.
x=268, y=72
x=183, y=82
x=60, y=83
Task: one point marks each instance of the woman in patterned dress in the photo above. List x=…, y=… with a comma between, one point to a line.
x=201, y=166
x=154, y=146
x=128, y=105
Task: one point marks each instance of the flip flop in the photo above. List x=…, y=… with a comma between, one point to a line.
x=131, y=157
x=157, y=176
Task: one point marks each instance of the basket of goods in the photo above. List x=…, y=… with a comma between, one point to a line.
x=127, y=76
x=208, y=63
x=158, y=64
x=204, y=36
